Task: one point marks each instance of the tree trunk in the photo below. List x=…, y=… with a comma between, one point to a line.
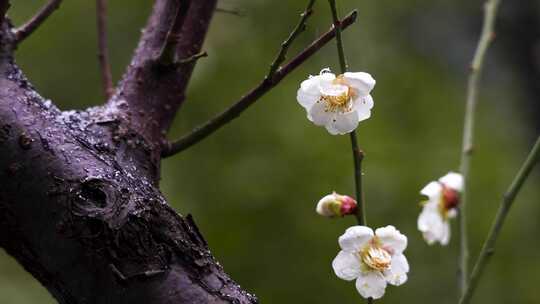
x=80, y=207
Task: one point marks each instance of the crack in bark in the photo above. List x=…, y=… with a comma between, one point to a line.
x=80, y=206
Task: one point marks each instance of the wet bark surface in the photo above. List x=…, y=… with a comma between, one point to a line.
x=80, y=207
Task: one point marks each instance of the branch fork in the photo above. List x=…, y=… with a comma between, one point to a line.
x=274, y=77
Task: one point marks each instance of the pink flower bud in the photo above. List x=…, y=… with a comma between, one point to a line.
x=348, y=205
x=334, y=204
x=450, y=198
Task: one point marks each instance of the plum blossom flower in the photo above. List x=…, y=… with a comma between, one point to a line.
x=337, y=102
x=372, y=259
x=334, y=204
x=441, y=206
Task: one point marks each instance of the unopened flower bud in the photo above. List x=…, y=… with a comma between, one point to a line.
x=334, y=204
x=450, y=197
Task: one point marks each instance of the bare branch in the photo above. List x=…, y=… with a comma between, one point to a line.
x=508, y=199
x=490, y=14
x=193, y=58
x=287, y=43
x=339, y=41
x=29, y=27
x=236, y=12
x=250, y=98
x=150, y=93
x=103, y=52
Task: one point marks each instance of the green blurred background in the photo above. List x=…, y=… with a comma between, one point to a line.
x=252, y=187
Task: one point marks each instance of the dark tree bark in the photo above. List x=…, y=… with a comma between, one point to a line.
x=80, y=207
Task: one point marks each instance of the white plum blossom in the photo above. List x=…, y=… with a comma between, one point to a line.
x=337, y=102
x=441, y=206
x=334, y=204
x=372, y=259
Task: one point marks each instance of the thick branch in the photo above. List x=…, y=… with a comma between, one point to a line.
x=168, y=52
x=490, y=13
x=103, y=51
x=81, y=211
x=29, y=27
x=247, y=100
x=4, y=6
x=488, y=249
x=79, y=203
x=150, y=94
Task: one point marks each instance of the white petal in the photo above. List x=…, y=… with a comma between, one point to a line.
x=433, y=189
x=355, y=238
x=363, y=106
x=452, y=180
x=330, y=89
x=307, y=99
x=397, y=274
x=371, y=284
x=362, y=82
x=343, y=123
x=310, y=92
x=445, y=237
x=322, y=205
x=318, y=114
x=331, y=128
x=431, y=223
x=452, y=213
x=346, y=265
x=391, y=239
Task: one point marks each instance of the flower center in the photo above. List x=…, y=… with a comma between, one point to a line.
x=338, y=96
x=376, y=257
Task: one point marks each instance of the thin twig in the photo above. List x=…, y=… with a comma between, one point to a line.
x=300, y=27
x=490, y=12
x=168, y=52
x=235, y=12
x=488, y=249
x=339, y=41
x=193, y=58
x=29, y=27
x=358, y=154
x=247, y=100
x=103, y=52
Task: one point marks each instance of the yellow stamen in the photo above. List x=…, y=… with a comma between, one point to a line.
x=376, y=257
x=340, y=103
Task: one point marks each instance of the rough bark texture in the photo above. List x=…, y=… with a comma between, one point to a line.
x=80, y=207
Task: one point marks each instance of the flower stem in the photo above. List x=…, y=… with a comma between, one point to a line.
x=488, y=249
x=339, y=41
x=490, y=12
x=358, y=154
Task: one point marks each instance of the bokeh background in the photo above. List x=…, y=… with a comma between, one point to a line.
x=252, y=187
